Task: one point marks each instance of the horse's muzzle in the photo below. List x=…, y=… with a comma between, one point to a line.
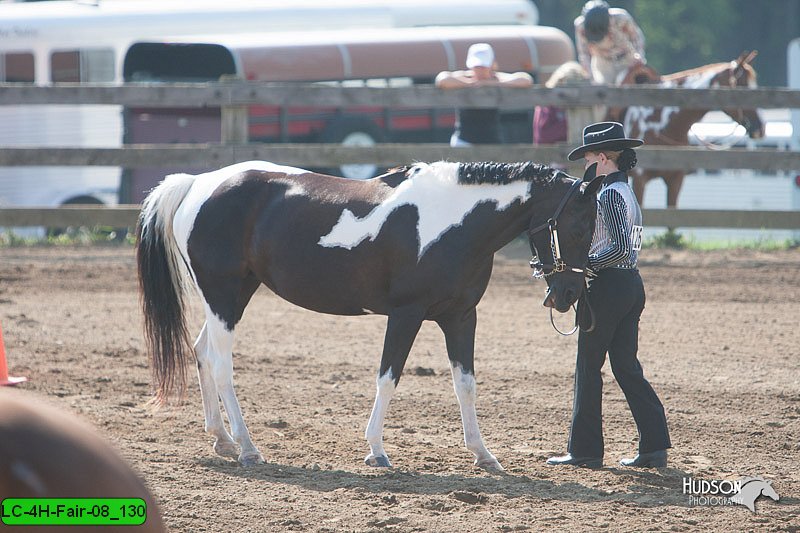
x=551, y=301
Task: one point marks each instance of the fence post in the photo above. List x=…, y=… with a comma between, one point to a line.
x=234, y=124
x=577, y=119
x=234, y=119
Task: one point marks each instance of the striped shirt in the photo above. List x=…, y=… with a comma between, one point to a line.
x=618, y=230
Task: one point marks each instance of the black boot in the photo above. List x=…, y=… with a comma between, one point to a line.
x=588, y=462
x=655, y=459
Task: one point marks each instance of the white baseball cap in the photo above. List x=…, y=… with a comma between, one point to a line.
x=480, y=55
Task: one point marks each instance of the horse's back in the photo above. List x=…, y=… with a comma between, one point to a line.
x=263, y=222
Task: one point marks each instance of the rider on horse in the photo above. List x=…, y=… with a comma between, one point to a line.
x=610, y=44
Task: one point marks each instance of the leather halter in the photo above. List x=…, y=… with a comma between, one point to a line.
x=545, y=270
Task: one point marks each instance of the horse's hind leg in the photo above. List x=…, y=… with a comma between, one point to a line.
x=230, y=296
x=401, y=330
x=640, y=179
x=674, y=182
x=223, y=442
x=220, y=346
x=459, y=332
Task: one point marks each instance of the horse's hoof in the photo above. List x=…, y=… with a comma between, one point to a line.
x=226, y=448
x=377, y=461
x=490, y=464
x=251, y=459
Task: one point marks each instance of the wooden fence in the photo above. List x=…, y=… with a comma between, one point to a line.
x=234, y=97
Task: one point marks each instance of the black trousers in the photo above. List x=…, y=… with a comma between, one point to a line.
x=617, y=298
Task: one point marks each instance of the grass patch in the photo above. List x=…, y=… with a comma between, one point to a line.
x=673, y=240
x=80, y=236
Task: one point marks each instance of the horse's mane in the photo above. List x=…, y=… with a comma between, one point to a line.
x=692, y=71
x=504, y=173
x=677, y=76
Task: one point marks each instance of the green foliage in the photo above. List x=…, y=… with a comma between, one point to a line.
x=675, y=37
x=682, y=34
x=70, y=237
x=669, y=239
x=673, y=240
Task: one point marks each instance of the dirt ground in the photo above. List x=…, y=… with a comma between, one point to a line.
x=719, y=341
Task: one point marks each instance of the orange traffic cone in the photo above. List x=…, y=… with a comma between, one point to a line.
x=5, y=379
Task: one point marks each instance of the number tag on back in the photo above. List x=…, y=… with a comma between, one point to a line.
x=636, y=237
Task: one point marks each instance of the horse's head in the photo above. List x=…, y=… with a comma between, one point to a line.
x=740, y=73
x=768, y=491
x=560, y=241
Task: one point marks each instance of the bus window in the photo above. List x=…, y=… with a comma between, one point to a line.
x=16, y=68
x=82, y=66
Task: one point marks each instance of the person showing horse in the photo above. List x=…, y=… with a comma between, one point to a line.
x=479, y=125
x=608, y=41
x=615, y=297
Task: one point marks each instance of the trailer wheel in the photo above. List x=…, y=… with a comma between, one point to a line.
x=352, y=131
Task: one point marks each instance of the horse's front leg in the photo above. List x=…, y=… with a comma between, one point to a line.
x=220, y=345
x=459, y=332
x=223, y=442
x=401, y=330
x=674, y=182
x=640, y=180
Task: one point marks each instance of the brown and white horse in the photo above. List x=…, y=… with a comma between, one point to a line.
x=670, y=125
x=414, y=244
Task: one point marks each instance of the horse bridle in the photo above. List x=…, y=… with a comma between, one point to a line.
x=545, y=270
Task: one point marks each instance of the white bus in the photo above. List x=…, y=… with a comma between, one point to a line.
x=63, y=41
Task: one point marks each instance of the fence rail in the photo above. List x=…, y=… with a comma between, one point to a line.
x=232, y=96
x=240, y=93
x=125, y=216
x=326, y=155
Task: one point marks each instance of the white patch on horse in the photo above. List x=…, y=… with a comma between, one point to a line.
x=293, y=188
x=701, y=80
x=637, y=124
x=374, y=431
x=636, y=119
x=203, y=187
x=464, y=385
x=441, y=204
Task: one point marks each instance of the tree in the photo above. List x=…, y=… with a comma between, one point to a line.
x=682, y=34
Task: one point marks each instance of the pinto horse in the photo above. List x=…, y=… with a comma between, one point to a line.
x=670, y=125
x=414, y=244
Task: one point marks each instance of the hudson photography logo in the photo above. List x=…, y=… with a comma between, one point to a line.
x=714, y=492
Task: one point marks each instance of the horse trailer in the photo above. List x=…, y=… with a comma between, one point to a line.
x=376, y=58
x=86, y=42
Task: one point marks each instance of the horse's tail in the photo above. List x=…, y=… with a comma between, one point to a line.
x=163, y=279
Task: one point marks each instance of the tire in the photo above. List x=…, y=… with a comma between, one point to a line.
x=353, y=131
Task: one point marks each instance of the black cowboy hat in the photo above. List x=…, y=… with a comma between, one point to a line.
x=603, y=136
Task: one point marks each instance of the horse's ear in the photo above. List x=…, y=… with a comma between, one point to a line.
x=740, y=60
x=750, y=57
x=589, y=190
x=590, y=172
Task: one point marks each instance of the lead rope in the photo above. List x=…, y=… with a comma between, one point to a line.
x=582, y=301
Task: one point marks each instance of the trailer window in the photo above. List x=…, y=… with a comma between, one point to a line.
x=177, y=62
x=94, y=65
x=17, y=68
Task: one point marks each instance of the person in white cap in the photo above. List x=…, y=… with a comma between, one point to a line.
x=479, y=125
